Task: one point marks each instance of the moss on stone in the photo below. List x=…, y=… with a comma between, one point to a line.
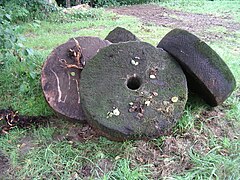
x=120, y=34
x=104, y=87
x=206, y=72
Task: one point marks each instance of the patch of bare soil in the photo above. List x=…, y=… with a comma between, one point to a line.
x=102, y=166
x=65, y=130
x=25, y=145
x=76, y=132
x=80, y=134
x=217, y=123
x=168, y=159
x=4, y=166
x=172, y=157
x=193, y=22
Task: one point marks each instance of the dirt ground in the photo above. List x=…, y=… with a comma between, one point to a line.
x=196, y=23
x=171, y=157
x=4, y=165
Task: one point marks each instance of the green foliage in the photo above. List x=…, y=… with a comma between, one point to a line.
x=9, y=40
x=19, y=82
x=25, y=11
x=73, y=15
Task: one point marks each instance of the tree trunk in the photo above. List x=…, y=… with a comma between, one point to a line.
x=77, y=2
x=68, y=3
x=91, y=3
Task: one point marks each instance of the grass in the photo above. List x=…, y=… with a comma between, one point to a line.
x=123, y=170
x=215, y=166
x=197, y=137
x=217, y=7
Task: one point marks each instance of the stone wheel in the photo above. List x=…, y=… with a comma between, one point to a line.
x=132, y=91
x=120, y=34
x=207, y=74
x=61, y=74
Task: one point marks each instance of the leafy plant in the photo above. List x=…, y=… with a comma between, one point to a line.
x=73, y=15
x=9, y=38
x=25, y=11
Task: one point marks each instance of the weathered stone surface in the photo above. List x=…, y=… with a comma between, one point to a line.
x=60, y=83
x=133, y=90
x=120, y=34
x=207, y=74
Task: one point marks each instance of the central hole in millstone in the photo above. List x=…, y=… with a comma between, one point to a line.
x=134, y=83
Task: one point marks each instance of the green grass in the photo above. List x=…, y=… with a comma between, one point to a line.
x=20, y=85
x=49, y=158
x=217, y=7
x=214, y=165
x=124, y=171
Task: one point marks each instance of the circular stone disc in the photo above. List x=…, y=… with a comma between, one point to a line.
x=120, y=34
x=206, y=72
x=61, y=84
x=138, y=92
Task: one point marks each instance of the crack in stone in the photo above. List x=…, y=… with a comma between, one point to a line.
x=78, y=91
x=59, y=88
x=69, y=82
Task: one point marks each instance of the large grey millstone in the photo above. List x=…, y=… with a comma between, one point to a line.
x=122, y=101
x=120, y=34
x=207, y=74
x=60, y=84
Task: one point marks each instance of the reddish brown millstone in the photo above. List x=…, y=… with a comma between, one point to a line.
x=60, y=83
x=132, y=91
x=206, y=72
x=120, y=34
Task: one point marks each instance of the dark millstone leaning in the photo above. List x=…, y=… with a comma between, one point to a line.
x=133, y=91
x=207, y=74
x=61, y=74
x=120, y=34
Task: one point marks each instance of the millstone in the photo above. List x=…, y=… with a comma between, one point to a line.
x=207, y=74
x=138, y=92
x=120, y=34
x=60, y=83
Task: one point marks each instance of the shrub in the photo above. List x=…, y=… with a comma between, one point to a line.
x=8, y=35
x=10, y=40
x=24, y=11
